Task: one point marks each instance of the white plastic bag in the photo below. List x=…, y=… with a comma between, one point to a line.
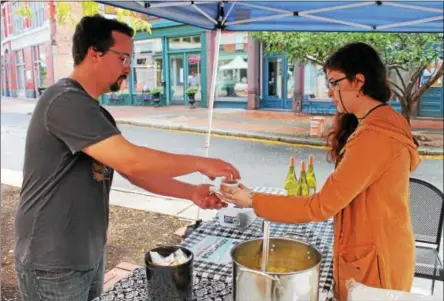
x=175, y=258
x=360, y=292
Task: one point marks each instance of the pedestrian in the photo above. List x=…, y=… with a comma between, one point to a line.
x=368, y=192
x=72, y=149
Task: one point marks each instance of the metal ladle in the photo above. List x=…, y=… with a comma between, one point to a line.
x=265, y=246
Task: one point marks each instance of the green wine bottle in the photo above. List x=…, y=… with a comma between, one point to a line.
x=291, y=182
x=311, y=178
x=302, y=183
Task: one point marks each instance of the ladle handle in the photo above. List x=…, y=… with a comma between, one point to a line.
x=274, y=278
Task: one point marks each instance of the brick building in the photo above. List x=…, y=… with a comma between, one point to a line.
x=26, y=48
x=36, y=51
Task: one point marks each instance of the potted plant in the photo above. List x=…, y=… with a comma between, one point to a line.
x=191, y=92
x=146, y=95
x=155, y=92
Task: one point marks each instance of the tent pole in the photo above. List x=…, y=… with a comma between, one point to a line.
x=215, y=48
x=212, y=90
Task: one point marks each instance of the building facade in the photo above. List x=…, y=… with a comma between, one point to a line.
x=26, y=60
x=35, y=51
x=176, y=57
x=173, y=58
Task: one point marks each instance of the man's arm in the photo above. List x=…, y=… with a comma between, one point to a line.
x=199, y=194
x=77, y=120
x=165, y=186
x=140, y=162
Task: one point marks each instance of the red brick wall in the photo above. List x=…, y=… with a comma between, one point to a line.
x=4, y=23
x=10, y=18
x=12, y=76
x=12, y=68
x=6, y=19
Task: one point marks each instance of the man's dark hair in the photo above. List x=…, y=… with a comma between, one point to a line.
x=96, y=31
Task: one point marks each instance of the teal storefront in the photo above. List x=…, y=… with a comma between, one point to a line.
x=171, y=59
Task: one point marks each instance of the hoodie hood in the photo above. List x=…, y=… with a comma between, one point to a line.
x=387, y=121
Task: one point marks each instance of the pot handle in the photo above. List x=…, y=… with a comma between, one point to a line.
x=274, y=278
x=301, y=235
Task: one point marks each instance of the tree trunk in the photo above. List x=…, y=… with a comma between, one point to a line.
x=406, y=108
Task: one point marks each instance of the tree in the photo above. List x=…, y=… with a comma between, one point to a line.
x=405, y=55
x=64, y=14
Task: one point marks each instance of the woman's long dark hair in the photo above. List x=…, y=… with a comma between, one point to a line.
x=353, y=59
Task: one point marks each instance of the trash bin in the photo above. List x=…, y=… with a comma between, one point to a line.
x=317, y=126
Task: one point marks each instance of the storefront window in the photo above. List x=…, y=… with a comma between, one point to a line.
x=232, y=66
x=20, y=65
x=17, y=25
x=38, y=13
x=40, y=67
x=148, y=65
x=315, y=82
x=290, y=80
x=184, y=42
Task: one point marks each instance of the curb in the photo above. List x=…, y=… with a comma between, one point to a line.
x=436, y=153
x=121, y=271
x=258, y=136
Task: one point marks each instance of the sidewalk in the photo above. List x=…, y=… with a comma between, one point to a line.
x=265, y=125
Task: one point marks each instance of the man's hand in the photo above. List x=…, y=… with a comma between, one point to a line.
x=205, y=199
x=214, y=168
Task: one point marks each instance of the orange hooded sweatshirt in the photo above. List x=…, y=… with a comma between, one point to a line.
x=368, y=195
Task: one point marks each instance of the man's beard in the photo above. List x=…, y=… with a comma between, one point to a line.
x=114, y=87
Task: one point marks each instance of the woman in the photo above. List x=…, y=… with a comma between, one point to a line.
x=367, y=194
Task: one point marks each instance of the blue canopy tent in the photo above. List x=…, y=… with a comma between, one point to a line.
x=336, y=16
x=302, y=16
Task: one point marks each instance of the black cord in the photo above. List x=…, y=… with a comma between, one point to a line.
x=340, y=98
x=371, y=110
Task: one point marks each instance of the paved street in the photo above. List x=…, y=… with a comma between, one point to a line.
x=261, y=164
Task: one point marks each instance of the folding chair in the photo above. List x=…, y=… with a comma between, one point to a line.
x=427, y=214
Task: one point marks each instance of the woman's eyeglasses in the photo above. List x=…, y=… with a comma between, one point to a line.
x=334, y=84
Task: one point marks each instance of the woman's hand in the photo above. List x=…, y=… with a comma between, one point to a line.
x=240, y=196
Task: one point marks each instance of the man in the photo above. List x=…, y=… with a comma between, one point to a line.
x=72, y=148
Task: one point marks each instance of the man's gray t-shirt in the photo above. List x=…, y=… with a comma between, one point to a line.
x=62, y=219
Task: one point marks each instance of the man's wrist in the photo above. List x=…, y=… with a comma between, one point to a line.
x=198, y=163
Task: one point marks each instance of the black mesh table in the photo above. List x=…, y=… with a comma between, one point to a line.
x=212, y=266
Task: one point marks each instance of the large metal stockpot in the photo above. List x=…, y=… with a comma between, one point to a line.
x=292, y=274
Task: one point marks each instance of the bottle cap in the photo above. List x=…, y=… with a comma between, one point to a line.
x=291, y=161
x=303, y=165
x=310, y=160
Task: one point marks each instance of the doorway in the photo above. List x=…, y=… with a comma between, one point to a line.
x=278, y=85
x=185, y=72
